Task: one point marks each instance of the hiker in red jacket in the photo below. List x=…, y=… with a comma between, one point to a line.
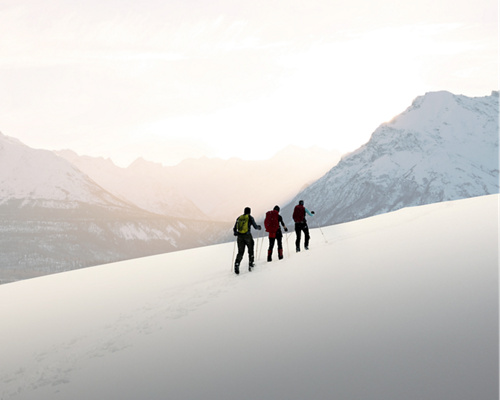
x=272, y=225
x=299, y=217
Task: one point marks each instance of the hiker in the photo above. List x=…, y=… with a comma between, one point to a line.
x=242, y=229
x=273, y=223
x=299, y=217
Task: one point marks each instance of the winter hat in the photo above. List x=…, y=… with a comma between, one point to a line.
x=247, y=210
x=276, y=208
x=301, y=202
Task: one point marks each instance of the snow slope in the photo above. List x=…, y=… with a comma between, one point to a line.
x=398, y=306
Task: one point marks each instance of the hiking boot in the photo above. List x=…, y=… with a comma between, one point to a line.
x=237, y=269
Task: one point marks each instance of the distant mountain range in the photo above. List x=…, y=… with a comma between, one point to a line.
x=57, y=215
x=210, y=188
x=64, y=211
x=443, y=147
x=54, y=218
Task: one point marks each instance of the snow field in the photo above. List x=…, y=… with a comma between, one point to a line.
x=398, y=306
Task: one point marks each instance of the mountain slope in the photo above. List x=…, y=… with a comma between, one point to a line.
x=399, y=306
x=55, y=218
x=39, y=178
x=143, y=183
x=443, y=147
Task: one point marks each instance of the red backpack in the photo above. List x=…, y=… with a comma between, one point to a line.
x=299, y=213
x=271, y=223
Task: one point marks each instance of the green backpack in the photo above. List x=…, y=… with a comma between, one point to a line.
x=242, y=223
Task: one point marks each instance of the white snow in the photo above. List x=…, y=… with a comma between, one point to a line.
x=398, y=306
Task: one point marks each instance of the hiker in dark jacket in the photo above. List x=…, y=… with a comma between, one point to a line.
x=273, y=223
x=299, y=217
x=242, y=229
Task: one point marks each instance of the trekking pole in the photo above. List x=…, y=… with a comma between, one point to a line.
x=256, y=250
x=287, y=247
x=234, y=250
x=259, y=247
x=261, y=244
x=321, y=230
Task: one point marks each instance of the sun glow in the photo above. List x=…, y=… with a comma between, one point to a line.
x=228, y=80
x=330, y=96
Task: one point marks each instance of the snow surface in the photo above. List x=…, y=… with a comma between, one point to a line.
x=398, y=306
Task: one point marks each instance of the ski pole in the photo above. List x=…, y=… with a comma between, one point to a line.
x=256, y=250
x=259, y=247
x=234, y=250
x=321, y=230
x=287, y=247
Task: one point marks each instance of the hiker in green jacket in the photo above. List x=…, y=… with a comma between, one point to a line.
x=242, y=229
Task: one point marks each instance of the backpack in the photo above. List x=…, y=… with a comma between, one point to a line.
x=299, y=213
x=242, y=223
x=271, y=222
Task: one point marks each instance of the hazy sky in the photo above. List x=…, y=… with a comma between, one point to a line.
x=170, y=79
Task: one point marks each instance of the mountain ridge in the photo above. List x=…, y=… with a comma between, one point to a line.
x=210, y=188
x=442, y=147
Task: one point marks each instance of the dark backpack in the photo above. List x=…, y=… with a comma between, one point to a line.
x=271, y=222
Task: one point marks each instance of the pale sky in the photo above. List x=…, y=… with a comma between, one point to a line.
x=172, y=79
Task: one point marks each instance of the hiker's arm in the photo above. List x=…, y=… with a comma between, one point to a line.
x=252, y=221
x=282, y=223
x=310, y=213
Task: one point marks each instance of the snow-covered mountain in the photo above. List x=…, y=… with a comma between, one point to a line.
x=146, y=184
x=443, y=147
x=32, y=177
x=401, y=306
x=210, y=188
x=54, y=218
